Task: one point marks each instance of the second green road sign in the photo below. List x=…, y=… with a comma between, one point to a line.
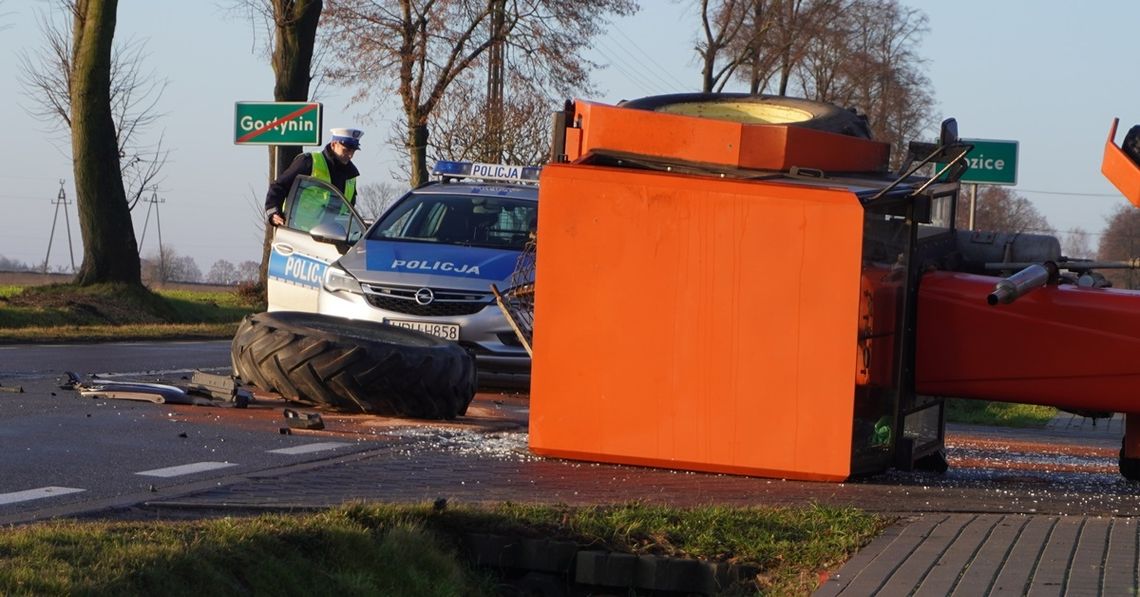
x=277, y=123
x=990, y=162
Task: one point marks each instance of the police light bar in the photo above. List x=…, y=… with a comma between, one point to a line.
x=451, y=169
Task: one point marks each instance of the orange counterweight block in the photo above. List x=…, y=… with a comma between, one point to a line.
x=698, y=323
x=773, y=147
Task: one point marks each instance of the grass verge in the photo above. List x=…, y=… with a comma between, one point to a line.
x=1003, y=414
x=409, y=549
x=106, y=312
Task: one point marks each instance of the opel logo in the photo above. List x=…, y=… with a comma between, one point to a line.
x=424, y=296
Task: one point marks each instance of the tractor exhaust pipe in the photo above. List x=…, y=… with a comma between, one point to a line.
x=1010, y=289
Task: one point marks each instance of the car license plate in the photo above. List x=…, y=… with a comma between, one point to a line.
x=447, y=331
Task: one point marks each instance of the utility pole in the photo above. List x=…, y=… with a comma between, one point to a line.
x=496, y=61
x=153, y=205
x=60, y=202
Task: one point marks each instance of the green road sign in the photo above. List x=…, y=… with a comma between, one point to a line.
x=991, y=162
x=277, y=123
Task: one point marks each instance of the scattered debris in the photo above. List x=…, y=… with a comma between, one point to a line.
x=73, y=380
x=212, y=386
x=129, y=390
x=219, y=387
x=298, y=420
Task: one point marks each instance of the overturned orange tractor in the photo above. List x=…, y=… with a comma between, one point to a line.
x=740, y=284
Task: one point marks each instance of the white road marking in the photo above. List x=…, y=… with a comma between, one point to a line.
x=35, y=494
x=185, y=469
x=309, y=448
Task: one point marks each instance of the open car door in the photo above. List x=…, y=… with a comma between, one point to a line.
x=319, y=226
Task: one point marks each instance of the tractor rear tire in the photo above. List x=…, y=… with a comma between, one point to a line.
x=354, y=366
x=759, y=109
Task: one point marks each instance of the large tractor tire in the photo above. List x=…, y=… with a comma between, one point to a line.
x=354, y=366
x=759, y=109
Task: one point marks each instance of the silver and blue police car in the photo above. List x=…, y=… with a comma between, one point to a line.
x=429, y=261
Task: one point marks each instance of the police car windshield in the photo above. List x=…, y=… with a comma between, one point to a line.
x=468, y=220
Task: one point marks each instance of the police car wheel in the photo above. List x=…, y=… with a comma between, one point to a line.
x=355, y=366
x=759, y=109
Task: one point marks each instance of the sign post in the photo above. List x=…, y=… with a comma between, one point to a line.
x=277, y=123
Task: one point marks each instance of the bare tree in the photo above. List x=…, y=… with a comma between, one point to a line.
x=777, y=37
x=1121, y=241
x=854, y=53
x=724, y=26
x=521, y=134
x=13, y=265
x=868, y=60
x=222, y=272
x=1076, y=243
x=248, y=271
x=375, y=198
x=46, y=79
x=166, y=265
x=1000, y=209
x=418, y=49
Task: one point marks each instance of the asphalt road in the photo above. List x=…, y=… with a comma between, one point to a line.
x=65, y=453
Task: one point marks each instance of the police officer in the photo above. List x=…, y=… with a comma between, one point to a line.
x=333, y=165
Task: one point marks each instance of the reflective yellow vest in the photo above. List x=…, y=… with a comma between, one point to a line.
x=311, y=204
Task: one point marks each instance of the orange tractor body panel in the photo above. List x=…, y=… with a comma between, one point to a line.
x=705, y=324
x=768, y=300
x=707, y=141
x=1063, y=346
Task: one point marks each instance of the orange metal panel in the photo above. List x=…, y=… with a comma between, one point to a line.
x=703, y=140
x=1121, y=171
x=695, y=323
x=1061, y=346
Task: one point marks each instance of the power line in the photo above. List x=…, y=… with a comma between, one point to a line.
x=1067, y=194
x=653, y=64
x=652, y=87
x=622, y=67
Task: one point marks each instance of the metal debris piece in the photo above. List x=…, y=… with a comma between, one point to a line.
x=219, y=387
x=159, y=393
x=12, y=389
x=128, y=390
x=298, y=420
x=73, y=380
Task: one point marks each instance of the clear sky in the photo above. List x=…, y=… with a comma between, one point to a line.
x=1050, y=74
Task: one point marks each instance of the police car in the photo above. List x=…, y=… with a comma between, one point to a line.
x=426, y=264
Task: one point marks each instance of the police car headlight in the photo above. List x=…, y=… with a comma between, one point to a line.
x=337, y=279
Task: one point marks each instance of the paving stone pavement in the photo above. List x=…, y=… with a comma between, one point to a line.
x=1058, y=531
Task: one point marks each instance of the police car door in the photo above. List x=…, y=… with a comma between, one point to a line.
x=315, y=218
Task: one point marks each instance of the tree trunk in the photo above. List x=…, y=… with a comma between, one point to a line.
x=295, y=34
x=417, y=150
x=110, y=252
